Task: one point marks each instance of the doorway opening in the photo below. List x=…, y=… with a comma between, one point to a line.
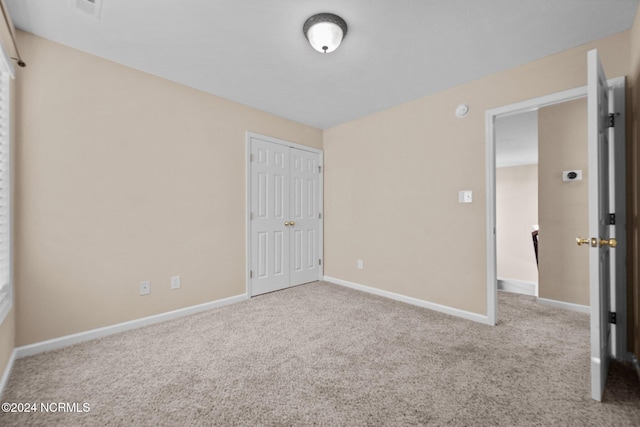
x=517, y=225
x=492, y=117
x=542, y=193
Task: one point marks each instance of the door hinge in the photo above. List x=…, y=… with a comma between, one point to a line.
x=611, y=122
x=612, y=219
x=251, y=157
x=319, y=169
x=612, y=317
x=251, y=215
x=319, y=215
x=319, y=262
x=251, y=274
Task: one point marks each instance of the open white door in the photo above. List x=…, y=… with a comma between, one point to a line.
x=601, y=244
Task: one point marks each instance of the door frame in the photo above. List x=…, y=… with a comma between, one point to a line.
x=491, y=265
x=290, y=144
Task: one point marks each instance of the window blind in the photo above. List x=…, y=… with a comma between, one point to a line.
x=5, y=193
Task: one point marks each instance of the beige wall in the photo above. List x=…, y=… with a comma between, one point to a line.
x=516, y=213
x=124, y=177
x=392, y=182
x=563, y=206
x=633, y=189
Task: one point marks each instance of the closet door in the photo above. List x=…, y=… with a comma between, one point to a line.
x=304, y=231
x=270, y=202
x=285, y=219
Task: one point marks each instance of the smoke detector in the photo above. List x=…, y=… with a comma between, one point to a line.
x=462, y=110
x=90, y=7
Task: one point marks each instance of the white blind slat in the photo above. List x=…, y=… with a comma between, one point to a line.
x=5, y=256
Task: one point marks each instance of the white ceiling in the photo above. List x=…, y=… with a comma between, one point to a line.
x=254, y=52
x=517, y=139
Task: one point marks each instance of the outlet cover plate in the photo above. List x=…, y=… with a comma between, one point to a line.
x=145, y=287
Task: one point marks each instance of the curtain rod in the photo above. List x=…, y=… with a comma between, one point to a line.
x=7, y=20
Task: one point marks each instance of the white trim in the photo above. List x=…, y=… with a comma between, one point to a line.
x=410, y=300
x=565, y=305
x=282, y=142
x=320, y=154
x=7, y=372
x=518, y=286
x=490, y=116
x=247, y=214
x=52, y=344
x=321, y=211
x=492, y=264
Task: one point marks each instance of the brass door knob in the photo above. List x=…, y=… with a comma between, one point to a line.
x=580, y=241
x=287, y=223
x=292, y=223
x=611, y=242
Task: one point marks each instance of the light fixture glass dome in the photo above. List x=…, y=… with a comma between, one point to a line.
x=325, y=31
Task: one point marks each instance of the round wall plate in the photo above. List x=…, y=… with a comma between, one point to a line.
x=462, y=110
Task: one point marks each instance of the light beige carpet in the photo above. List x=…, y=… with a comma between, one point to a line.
x=321, y=354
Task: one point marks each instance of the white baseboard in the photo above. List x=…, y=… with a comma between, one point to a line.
x=410, y=300
x=565, y=305
x=518, y=286
x=52, y=344
x=7, y=372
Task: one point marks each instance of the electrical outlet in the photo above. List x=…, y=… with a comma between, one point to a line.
x=360, y=264
x=145, y=287
x=175, y=282
x=465, y=196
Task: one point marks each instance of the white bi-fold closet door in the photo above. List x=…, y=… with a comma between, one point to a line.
x=285, y=218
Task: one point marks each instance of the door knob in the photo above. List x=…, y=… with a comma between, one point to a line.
x=287, y=223
x=292, y=223
x=611, y=242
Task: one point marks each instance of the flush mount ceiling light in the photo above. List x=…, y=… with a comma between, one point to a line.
x=325, y=31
